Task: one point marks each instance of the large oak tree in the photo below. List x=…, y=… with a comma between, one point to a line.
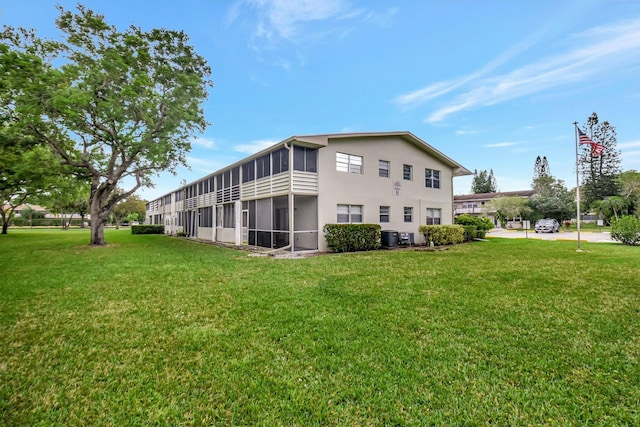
x=117, y=106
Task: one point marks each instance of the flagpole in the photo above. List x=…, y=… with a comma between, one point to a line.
x=575, y=124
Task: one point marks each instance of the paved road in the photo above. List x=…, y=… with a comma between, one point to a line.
x=585, y=236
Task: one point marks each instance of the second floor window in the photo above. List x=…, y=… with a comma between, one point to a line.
x=407, y=172
x=383, y=168
x=431, y=178
x=348, y=163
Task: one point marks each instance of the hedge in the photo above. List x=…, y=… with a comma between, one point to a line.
x=352, y=237
x=45, y=222
x=482, y=223
x=147, y=229
x=441, y=235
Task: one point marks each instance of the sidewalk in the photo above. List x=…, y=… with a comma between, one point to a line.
x=585, y=236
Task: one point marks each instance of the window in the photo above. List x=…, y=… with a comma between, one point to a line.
x=433, y=216
x=225, y=217
x=219, y=218
x=235, y=176
x=383, y=168
x=407, y=172
x=348, y=163
x=431, y=178
x=280, y=161
x=263, y=166
x=408, y=214
x=206, y=217
x=248, y=171
x=304, y=159
x=384, y=213
x=349, y=214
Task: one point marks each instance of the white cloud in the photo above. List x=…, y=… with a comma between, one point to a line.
x=421, y=96
x=467, y=132
x=285, y=19
x=202, y=164
x=629, y=144
x=204, y=142
x=600, y=51
x=501, y=144
x=255, y=146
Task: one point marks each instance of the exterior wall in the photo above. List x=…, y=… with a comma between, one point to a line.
x=311, y=198
x=372, y=191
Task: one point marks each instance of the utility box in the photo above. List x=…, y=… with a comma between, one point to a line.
x=406, y=239
x=389, y=238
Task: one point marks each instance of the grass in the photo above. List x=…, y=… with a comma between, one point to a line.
x=152, y=330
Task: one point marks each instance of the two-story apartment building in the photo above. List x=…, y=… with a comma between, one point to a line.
x=283, y=196
x=479, y=204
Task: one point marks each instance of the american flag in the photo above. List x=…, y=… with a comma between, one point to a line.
x=596, y=149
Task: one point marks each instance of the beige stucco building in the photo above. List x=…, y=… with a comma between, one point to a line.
x=283, y=196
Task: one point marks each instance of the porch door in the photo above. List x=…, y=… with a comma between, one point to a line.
x=245, y=227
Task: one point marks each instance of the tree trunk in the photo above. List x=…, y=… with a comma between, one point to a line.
x=5, y=220
x=97, y=219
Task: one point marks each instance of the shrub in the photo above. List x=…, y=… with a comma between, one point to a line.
x=470, y=232
x=442, y=235
x=147, y=229
x=626, y=230
x=481, y=223
x=352, y=237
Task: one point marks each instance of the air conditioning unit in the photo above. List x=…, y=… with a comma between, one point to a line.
x=389, y=238
x=406, y=239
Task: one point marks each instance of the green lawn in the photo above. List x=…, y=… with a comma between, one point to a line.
x=153, y=330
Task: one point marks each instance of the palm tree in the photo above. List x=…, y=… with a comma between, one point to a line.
x=608, y=205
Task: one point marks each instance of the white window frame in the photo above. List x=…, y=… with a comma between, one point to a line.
x=408, y=168
x=408, y=212
x=432, y=178
x=348, y=163
x=384, y=167
x=385, y=211
x=433, y=216
x=350, y=214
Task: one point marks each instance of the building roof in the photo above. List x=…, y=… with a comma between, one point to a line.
x=458, y=169
x=322, y=140
x=490, y=196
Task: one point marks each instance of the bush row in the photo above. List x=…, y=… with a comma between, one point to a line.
x=352, y=237
x=44, y=222
x=147, y=229
x=440, y=235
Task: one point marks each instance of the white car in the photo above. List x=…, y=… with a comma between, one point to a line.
x=547, y=225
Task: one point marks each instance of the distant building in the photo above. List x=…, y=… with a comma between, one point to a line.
x=478, y=204
x=283, y=196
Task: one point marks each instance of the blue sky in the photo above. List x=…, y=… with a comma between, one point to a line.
x=492, y=84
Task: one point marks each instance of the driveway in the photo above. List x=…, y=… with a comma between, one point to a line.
x=585, y=236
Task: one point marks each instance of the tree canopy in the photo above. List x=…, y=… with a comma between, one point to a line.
x=541, y=168
x=552, y=199
x=116, y=106
x=599, y=173
x=483, y=182
x=25, y=166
